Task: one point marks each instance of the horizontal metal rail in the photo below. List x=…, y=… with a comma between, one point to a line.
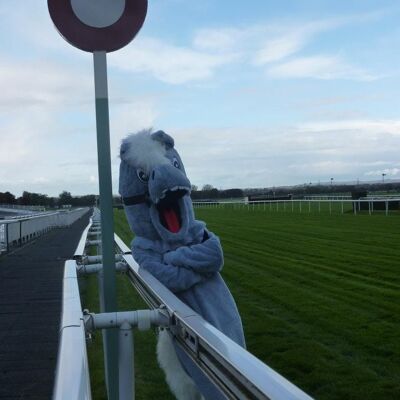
x=72, y=379
x=243, y=202
x=234, y=372
x=370, y=205
x=15, y=232
x=80, y=250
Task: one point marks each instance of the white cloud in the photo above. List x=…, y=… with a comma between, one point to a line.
x=379, y=127
x=387, y=171
x=288, y=155
x=43, y=83
x=168, y=63
x=279, y=48
x=319, y=67
x=221, y=39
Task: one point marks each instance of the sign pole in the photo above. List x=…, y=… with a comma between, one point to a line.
x=108, y=302
x=99, y=27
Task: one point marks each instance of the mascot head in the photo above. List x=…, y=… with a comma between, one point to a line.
x=154, y=187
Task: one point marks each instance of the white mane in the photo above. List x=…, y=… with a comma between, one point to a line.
x=144, y=152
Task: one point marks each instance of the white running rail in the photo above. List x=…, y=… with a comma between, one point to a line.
x=14, y=232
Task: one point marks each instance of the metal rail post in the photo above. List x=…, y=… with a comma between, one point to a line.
x=107, y=224
x=7, y=241
x=126, y=362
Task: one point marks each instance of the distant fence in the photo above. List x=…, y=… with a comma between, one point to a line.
x=15, y=232
x=368, y=205
x=23, y=208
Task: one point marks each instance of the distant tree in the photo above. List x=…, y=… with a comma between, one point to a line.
x=7, y=198
x=25, y=199
x=231, y=193
x=64, y=198
x=194, y=188
x=207, y=187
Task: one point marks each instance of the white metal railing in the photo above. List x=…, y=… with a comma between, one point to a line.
x=72, y=379
x=22, y=207
x=369, y=205
x=18, y=231
x=328, y=197
x=235, y=372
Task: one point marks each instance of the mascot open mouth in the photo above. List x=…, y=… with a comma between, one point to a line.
x=169, y=210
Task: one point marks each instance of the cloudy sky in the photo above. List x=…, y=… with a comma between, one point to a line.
x=256, y=94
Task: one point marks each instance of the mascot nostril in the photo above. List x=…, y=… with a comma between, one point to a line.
x=176, y=249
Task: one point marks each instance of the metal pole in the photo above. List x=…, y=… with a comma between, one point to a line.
x=8, y=243
x=126, y=363
x=108, y=289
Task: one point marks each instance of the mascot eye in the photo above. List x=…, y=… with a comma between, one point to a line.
x=142, y=175
x=175, y=162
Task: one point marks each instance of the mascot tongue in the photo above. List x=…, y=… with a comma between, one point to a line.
x=171, y=219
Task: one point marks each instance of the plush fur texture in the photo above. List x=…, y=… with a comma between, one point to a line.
x=181, y=385
x=146, y=152
x=181, y=252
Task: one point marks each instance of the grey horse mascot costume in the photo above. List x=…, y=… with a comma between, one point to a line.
x=176, y=249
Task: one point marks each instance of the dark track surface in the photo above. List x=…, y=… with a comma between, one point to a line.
x=30, y=312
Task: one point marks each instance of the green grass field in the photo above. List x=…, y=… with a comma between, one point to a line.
x=318, y=294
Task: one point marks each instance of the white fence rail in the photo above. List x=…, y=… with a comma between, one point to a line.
x=235, y=373
x=19, y=207
x=368, y=205
x=15, y=232
x=72, y=374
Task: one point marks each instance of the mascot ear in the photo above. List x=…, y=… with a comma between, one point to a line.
x=163, y=138
x=124, y=148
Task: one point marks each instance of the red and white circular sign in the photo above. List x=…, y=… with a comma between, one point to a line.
x=98, y=25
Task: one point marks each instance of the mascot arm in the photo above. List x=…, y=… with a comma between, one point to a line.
x=203, y=258
x=176, y=279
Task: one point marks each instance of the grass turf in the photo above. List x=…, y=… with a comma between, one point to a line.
x=318, y=294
